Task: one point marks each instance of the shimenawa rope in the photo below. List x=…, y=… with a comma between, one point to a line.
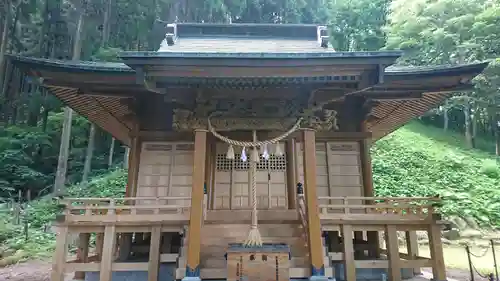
x=254, y=239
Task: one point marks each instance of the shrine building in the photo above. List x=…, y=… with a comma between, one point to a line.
x=249, y=158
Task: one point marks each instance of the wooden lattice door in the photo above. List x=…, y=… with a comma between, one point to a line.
x=232, y=179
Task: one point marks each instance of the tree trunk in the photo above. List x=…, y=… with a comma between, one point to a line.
x=77, y=46
x=468, y=135
x=105, y=25
x=474, y=121
x=446, y=116
x=4, y=43
x=496, y=127
x=88, y=158
x=111, y=152
x=59, y=186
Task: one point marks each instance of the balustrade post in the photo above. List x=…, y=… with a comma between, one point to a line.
x=412, y=248
x=60, y=254
x=197, y=209
x=436, y=249
x=108, y=255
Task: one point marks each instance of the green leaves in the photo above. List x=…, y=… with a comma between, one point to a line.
x=418, y=160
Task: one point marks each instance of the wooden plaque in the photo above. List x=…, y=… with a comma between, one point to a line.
x=267, y=263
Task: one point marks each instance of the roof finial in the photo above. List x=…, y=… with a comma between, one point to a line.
x=171, y=35
x=323, y=38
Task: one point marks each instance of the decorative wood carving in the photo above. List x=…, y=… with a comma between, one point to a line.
x=185, y=120
x=326, y=120
x=241, y=113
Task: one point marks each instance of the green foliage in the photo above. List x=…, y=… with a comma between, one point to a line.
x=418, y=160
x=13, y=244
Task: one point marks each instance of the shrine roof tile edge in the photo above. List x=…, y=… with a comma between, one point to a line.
x=119, y=67
x=265, y=55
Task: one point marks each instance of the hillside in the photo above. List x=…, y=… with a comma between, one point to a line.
x=419, y=160
x=416, y=160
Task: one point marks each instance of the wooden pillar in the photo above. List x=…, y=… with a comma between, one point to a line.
x=372, y=237
x=291, y=178
x=391, y=237
x=134, y=157
x=314, y=225
x=412, y=248
x=82, y=253
x=436, y=249
x=99, y=243
x=60, y=255
x=107, y=256
x=133, y=170
x=349, y=263
x=209, y=166
x=197, y=197
x=358, y=241
x=154, y=254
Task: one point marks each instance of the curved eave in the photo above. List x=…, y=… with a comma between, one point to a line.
x=433, y=84
x=67, y=80
x=64, y=80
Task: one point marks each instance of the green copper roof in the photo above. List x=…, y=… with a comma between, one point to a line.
x=121, y=67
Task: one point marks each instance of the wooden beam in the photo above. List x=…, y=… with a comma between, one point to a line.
x=197, y=197
x=187, y=136
x=314, y=225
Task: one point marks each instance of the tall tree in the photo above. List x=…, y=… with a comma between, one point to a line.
x=59, y=185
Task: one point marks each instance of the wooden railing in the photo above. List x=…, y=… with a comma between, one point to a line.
x=420, y=206
x=89, y=209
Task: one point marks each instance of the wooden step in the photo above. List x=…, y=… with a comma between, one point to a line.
x=222, y=263
x=224, y=241
x=241, y=230
x=221, y=273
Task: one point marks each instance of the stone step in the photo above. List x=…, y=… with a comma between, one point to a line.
x=221, y=273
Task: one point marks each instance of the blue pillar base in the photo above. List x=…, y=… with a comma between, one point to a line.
x=320, y=278
x=191, y=279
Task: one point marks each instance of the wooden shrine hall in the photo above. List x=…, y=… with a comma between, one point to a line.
x=249, y=158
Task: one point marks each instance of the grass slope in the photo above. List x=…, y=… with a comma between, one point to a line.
x=419, y=160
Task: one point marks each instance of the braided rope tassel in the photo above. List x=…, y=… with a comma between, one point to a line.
x=254, y=239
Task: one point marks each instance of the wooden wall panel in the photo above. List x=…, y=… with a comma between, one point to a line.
x=338, y=169
x=165, y=170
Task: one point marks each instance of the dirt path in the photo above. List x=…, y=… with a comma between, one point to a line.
x=29, y=271
x=40, y=271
